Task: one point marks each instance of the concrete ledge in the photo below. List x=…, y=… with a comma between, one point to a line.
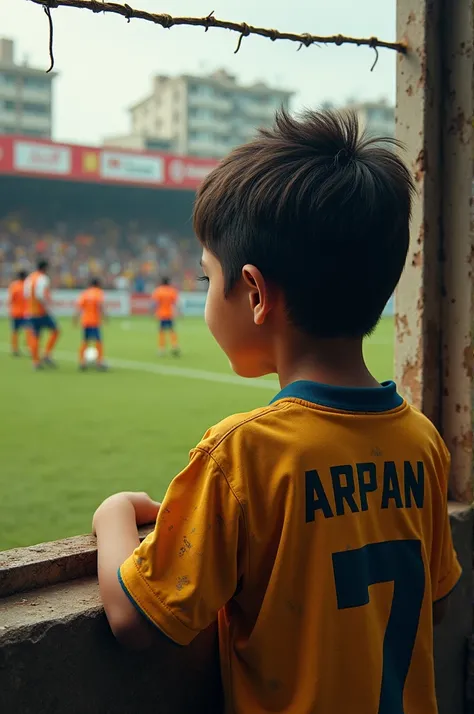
x=49, y=563
x=58, y=656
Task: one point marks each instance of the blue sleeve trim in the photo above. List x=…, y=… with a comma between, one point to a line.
x=142, y=612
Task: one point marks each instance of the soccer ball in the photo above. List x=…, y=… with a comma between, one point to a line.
x=91, y=355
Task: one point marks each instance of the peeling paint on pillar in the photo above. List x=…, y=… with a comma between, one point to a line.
x=433, y=347
x=417, y=300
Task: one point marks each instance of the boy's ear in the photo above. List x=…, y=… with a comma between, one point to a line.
x=259, y=293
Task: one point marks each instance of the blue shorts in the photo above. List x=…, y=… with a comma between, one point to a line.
x=92, y=334
x=46, y=322
x=19, y=323
x=166, y=324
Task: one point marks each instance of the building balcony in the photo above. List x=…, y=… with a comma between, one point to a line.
x=8, y=118
x=38, y=96
x=264, y=113
x=202, y=123
x=209, y=102
x=245, y=132
x=8, y=91
x=38, y=122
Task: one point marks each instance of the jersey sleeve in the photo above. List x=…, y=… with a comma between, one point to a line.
x=184, y=572
x=80, y=301
x=445, y=568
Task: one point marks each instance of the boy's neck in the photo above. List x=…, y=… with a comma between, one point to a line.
x=339, y=362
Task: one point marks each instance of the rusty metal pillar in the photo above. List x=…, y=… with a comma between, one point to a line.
x=456, y=416
x=418, y=299
x=433, y=301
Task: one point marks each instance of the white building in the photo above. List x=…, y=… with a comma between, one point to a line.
x=25, y=96
x=377, y=118
x=200, y=116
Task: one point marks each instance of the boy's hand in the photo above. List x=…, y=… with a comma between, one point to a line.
x=144, y=508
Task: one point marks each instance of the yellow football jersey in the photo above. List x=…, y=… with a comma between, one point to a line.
x=316, y=530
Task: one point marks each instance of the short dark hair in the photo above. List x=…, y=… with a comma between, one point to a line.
x=42, y=264
x=95, y=283
x=165, y=281
x=321, y=210
x=22, y=275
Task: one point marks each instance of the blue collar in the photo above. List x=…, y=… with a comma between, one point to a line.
x=348, y=399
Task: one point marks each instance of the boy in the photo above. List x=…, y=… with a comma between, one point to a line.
x=90, y=308
x=164, y=301
x=38, y=307
x=314, y=529
x=17, y=310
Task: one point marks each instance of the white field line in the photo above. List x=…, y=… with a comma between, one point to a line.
x=170, y=371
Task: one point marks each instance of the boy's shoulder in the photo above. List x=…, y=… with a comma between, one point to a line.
x=242, y=426
x=275, y=423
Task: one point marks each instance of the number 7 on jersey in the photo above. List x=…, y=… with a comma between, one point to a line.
x=400, y=562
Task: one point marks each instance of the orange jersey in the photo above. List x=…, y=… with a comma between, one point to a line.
x=37, y=294
x=16, y=299
x=315, y=530
x=90, y=304
x=165, y=297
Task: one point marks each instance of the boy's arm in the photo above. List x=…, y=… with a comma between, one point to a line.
x=184, y=572
x=115, y=525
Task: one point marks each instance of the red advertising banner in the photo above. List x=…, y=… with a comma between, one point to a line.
x=21, y=156
x=140, y=304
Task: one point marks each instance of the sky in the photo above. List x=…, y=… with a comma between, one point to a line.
x=104, y=65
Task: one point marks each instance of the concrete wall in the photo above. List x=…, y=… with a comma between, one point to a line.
x=72, y=665
x=453, y=634
x=57, y=655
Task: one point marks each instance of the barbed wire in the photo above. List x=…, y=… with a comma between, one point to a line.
x=242, y=28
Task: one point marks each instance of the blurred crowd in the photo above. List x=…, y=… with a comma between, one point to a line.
x=129, y=256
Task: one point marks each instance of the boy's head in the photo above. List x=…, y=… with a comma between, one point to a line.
x=165, y=281
x=21, y=275
x=308, y=223
x=42, y=265
x=95, y=283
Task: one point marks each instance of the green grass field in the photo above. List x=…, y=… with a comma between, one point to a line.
x=70, y=439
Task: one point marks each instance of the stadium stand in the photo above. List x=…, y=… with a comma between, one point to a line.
x=125, y=255
x=122, y=216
